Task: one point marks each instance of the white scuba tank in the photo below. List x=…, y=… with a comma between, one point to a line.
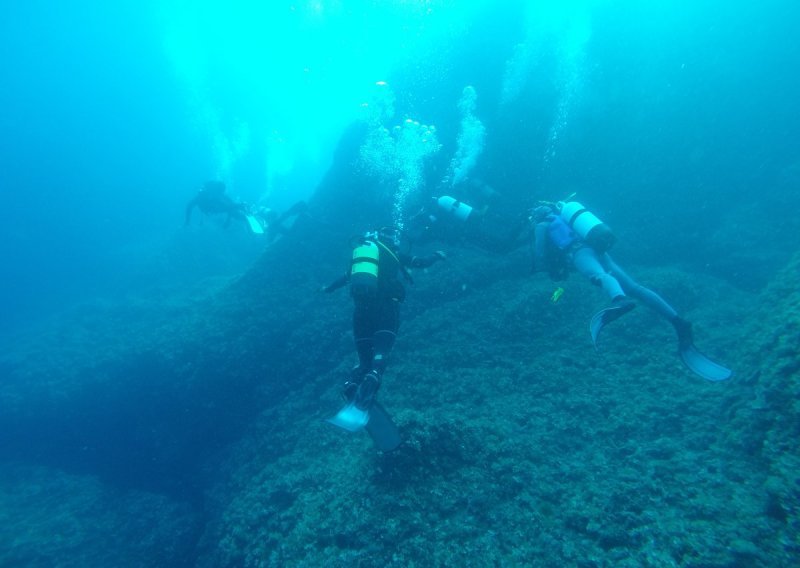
x=587, y=225
x=454, y=207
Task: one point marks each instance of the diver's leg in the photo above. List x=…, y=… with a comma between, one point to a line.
x=363, y=316
x=691, y=357
x=382, y=340
x=631, y=287
x=587, y=262
x=653, y=301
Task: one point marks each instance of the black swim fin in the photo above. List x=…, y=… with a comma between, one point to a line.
x=382, y=429
x=619, y=308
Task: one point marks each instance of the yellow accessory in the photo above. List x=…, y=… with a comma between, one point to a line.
x=557, y=294
x=365, y=259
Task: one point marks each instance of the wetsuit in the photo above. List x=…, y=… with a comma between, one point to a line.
x=212, y=202
x=376, y=314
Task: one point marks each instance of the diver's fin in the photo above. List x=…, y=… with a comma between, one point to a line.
x=607, y=315
x=382, y=429
x=350, y=417
x=255, y=226
x=702, y=365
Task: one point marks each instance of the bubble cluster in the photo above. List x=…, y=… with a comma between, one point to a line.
x=560, y=30
x=471, y=137
x=396, y=156
x=228, y=149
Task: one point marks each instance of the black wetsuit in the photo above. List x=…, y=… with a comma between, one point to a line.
x=214, y=201
x=376, y=317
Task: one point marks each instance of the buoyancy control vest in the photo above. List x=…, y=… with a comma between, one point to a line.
x=587, y=225
x=560, y=234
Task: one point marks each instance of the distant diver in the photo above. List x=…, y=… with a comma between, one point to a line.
x=474, y=222
x=211, y=199
x=377, y=291
x=566, y=235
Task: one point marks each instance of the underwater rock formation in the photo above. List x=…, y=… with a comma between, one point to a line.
x=523, y=445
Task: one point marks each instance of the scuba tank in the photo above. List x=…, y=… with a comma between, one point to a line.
x=592, y=230
x=364, y=269
x=454, y=207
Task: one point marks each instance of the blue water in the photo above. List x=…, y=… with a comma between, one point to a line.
x=677, y=121
x=114, y=115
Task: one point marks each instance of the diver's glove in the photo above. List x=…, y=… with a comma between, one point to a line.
x=365, y=395
x=440, y=254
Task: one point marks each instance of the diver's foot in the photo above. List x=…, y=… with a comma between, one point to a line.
x=623, y=303
x=365, y=396
x=349, y=390
x=354, y=378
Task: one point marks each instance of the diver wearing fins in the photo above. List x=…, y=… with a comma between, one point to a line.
x=212, y=199
x=377, y=291
x=566, y=235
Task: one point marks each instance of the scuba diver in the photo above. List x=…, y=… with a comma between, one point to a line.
x=374, y=277
x=449, y=219
x=212, y=200
x=566, y=235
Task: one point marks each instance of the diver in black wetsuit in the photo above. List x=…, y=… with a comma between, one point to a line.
x=376, y=289
x=212, y=200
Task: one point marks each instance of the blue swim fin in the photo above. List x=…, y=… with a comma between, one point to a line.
x=702, y=365
x=605, y=316
x=692, y=358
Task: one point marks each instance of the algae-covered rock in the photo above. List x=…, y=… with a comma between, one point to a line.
x=522, y=444
x=49, y=518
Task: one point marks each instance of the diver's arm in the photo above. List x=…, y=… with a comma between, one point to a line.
x=539, y=247
x=338, y=283
x=422, y=261
x=521, y=233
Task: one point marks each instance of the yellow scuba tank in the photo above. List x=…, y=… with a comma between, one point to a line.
x=587, y=225
x=364, y=268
